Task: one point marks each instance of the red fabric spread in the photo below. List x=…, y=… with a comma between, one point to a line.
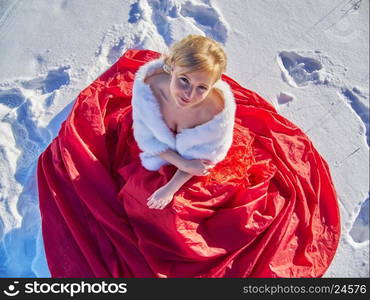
x=268, y=210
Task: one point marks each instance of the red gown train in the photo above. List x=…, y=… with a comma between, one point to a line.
x=269, y=209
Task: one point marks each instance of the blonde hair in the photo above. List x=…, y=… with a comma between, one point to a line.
x=196, y=52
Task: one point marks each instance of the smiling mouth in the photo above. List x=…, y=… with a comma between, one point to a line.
x=184, y=100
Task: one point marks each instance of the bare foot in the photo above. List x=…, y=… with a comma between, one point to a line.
x=160, y=198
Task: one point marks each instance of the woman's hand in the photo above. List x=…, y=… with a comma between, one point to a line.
x=197, y=167
x=161, y=197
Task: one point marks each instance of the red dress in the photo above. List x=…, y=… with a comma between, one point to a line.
x=269, y=209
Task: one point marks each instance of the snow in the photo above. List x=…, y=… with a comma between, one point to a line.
x=310, y=59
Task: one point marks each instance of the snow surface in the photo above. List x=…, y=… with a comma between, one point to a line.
x=310, y=59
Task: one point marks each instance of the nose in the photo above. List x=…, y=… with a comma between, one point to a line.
x=189, y=93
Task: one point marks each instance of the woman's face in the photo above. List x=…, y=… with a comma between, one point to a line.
x=189, y=89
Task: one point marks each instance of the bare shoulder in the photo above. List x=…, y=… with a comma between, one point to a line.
x=157, y=81
x=217, y=102
x=156, y=77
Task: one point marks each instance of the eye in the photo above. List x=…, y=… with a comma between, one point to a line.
x=203, y=88
x=183, y=79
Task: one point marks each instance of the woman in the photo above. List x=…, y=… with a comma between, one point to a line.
x=166, y=167
x=185, y=90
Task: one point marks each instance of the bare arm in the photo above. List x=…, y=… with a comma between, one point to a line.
x=164, y=195
x=173, y=158
x=178, y=180
x=186, y=170
x=198, y=167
